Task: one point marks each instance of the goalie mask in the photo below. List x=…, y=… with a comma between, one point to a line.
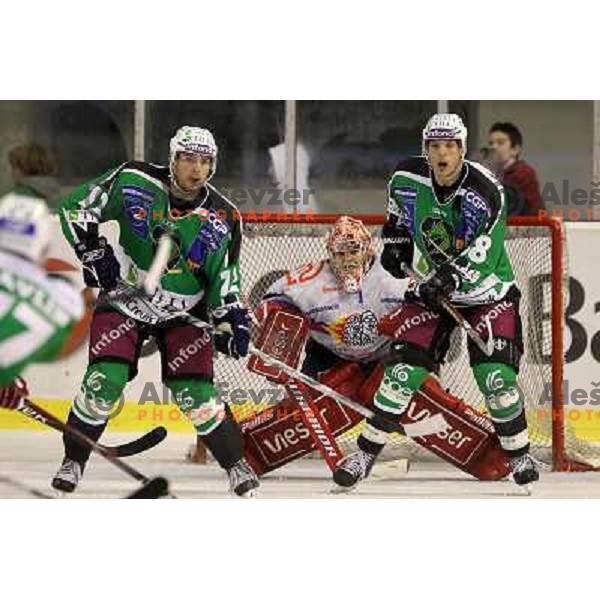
x=443, y=127
x=24, y=226
x=350, y=248
x=195, y=141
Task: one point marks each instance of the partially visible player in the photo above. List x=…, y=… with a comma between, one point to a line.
x=202, y=281
x=40, y=312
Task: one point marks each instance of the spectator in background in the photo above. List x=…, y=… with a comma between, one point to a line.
x=34, y=173
x=518, y=177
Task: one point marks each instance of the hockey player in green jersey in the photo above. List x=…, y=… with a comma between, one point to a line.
x=446, y=220
x=39, y=311
x=201, y=282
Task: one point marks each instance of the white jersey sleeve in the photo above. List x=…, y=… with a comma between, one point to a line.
x=345, y=323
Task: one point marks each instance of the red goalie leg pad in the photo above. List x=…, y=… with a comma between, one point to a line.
x=276, y=436
x=470, y=442
x=282, y=336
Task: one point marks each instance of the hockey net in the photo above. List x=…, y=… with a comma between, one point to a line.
x=538, y=254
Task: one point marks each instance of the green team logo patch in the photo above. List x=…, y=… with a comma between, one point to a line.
x=437, y=237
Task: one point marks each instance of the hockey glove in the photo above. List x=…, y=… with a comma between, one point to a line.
x=11, y=396
x=232, y=333
x=437, y=287
x=100, y=266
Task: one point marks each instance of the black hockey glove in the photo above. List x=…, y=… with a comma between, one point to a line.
x=232, y=332
x=100, y=266
x=438, y=286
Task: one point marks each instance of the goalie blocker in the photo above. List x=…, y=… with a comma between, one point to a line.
x=280, y=434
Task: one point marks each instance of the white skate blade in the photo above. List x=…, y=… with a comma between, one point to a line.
x=390, y=470
x=338, y=490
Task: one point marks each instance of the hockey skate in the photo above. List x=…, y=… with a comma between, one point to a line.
x=242, y=479
x=352, y=469
x=524, y=471
x=68, y=476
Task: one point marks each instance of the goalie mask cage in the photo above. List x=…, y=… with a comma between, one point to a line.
x=536, y=246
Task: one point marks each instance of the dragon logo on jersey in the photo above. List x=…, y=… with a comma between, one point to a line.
x=357, y=329
x=437, y=236
x=137, y=203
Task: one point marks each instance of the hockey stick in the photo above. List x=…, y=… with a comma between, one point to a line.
x=24, y=488
x=56, y=423
x=148, y=440
x=486, y=347
x=125, y=291
x=155, y=488
x=159, y=264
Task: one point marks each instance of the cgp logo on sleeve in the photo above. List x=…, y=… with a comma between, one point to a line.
x=138, y=201
x=474, y=212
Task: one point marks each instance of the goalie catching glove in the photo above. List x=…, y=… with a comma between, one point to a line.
x=100, y=266
x=232, y=333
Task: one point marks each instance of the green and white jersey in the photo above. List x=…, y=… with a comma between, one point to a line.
x=37, y=314
x=463, y=225
x=203, y=272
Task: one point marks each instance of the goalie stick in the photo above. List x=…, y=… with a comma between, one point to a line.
x=426, y=426
x=148, y=440
x=56, y=423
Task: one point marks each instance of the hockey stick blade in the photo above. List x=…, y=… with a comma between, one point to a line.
x=155, y=488
x=147, y=441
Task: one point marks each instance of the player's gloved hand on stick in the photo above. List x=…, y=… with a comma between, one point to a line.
x=100, y=266
x=11, y=395
x=439, y=285
x=232, y=332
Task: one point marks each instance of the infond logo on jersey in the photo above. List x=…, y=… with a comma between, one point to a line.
x=416, y=321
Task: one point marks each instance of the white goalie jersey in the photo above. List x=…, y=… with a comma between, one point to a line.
x=344, y=323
